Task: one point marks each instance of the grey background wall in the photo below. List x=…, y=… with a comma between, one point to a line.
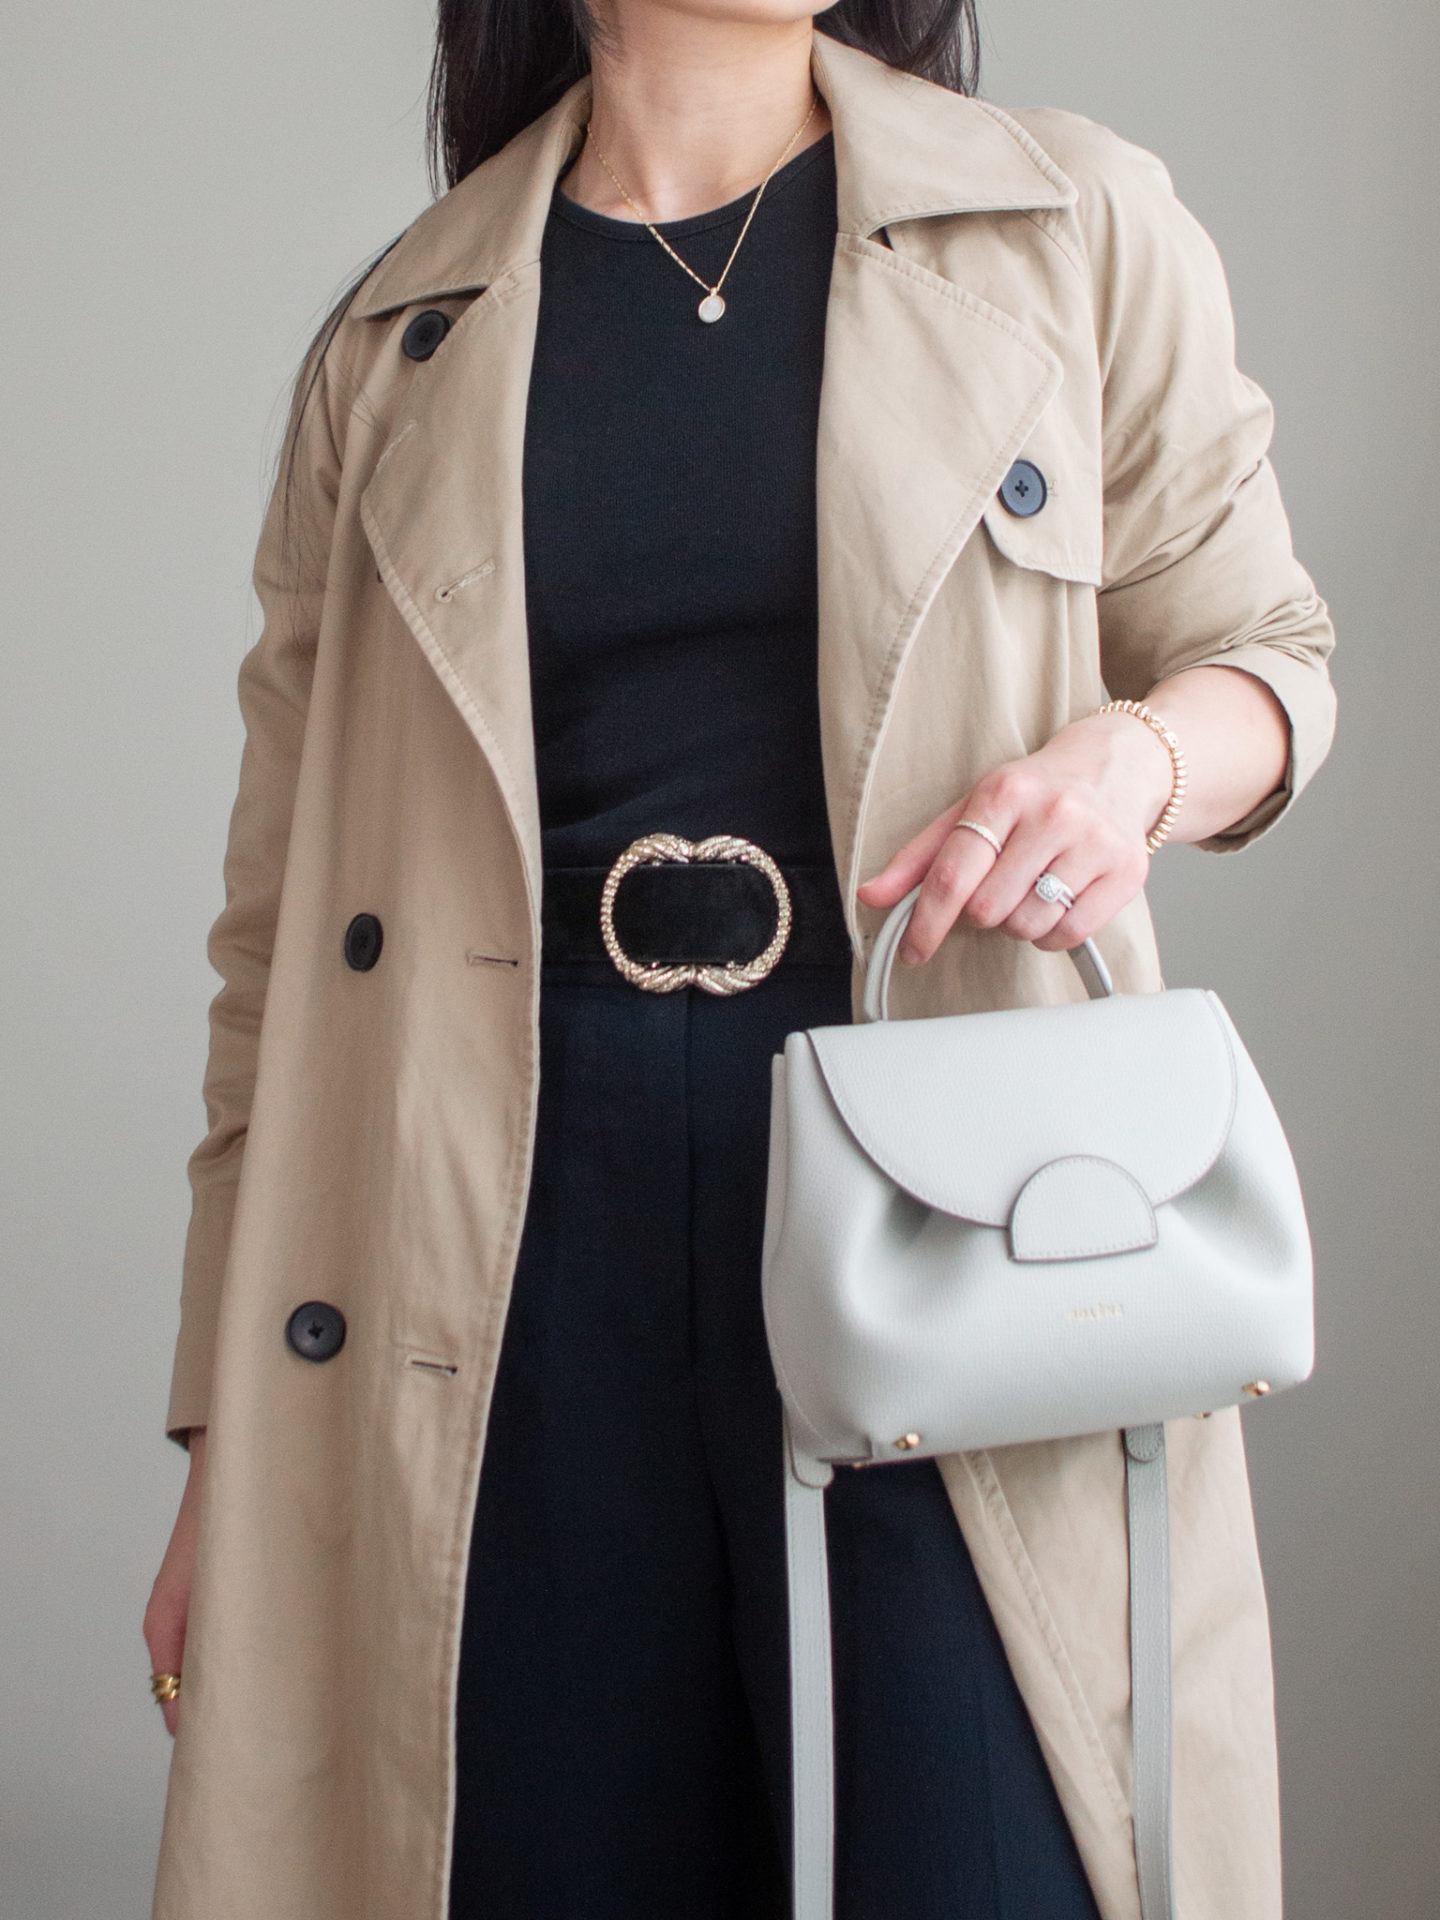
x=184, y=190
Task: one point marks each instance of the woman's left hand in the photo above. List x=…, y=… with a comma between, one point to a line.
x=1079, y=808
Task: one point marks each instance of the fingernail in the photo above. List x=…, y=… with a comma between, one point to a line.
x=908, y=956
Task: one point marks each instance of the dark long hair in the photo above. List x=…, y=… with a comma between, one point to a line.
x=500, y=63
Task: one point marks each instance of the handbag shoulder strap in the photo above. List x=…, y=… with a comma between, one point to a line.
x=1147, y=1504
x=812, y=1727
x=811, y=1709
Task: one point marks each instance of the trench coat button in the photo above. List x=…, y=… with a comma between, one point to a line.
x=1023, y=490
x=316, y=1330
x=364, y=938
x=424, y=334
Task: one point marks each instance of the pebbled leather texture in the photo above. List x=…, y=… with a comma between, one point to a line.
x=894, y=1302
x=1079, y=1208
x=961, y=1110
x=1008, y=1227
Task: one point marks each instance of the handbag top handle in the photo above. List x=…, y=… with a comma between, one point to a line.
x=1088, y=964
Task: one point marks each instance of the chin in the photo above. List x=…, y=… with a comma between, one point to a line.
x=745, y=13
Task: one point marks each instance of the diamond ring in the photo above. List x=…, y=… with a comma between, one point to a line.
x=1054, y=892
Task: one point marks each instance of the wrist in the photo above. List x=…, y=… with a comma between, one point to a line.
x=1124, y=761
x=1162, y=731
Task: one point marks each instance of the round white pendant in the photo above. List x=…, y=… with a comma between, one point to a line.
x=711, y=308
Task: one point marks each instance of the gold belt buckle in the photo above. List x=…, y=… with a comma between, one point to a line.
x=656, y=976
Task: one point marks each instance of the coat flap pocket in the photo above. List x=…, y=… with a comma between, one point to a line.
x=961, y=1111
x=1048, y=512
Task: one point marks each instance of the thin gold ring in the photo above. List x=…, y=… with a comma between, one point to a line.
x=990, y=838
x=164, y=1686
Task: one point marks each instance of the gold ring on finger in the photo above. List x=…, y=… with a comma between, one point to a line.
x=990, y=838
x=164, y=1686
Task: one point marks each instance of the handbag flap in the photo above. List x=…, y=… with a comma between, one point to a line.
x=960, y=1111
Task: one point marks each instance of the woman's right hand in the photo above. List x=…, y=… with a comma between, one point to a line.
x=169, y=1609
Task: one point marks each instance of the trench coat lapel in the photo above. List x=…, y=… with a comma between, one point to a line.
x=927, y=397
x=927, y=394
x=443, y=509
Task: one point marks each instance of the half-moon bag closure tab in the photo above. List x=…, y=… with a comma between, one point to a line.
x=1145, y=1082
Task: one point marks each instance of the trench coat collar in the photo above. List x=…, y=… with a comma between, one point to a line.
x=904, y=150
x=905, y=466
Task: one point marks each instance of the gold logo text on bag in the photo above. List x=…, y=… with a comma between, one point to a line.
x=730, y=976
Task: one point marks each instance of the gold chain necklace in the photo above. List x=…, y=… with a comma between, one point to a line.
x=713, y=305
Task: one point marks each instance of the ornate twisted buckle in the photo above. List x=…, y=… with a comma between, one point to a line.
x=658, y=976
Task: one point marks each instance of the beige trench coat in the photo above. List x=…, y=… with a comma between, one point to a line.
x=1001, y=286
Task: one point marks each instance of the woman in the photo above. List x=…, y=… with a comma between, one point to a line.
x=826, y=517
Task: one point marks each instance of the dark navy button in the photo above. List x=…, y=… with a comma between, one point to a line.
x=1023, y=490
x=316, y=1331
x=364, y=938
x=424, y=334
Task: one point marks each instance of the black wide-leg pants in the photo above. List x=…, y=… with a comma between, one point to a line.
x=623, y=1721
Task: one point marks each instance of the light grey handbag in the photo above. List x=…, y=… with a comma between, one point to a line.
x=1000, y=1227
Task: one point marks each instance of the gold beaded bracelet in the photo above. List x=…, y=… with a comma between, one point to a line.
x=1137, y=709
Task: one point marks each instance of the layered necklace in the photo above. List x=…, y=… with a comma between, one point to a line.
x=712, y=307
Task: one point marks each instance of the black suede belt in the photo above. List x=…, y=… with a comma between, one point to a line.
x=709, y=913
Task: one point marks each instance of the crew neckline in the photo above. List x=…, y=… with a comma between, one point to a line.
x=610, y=228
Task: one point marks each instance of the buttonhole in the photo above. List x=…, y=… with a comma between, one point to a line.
x=385, y=453
x=476, y=959
x=482, y=572
x=430, y=1366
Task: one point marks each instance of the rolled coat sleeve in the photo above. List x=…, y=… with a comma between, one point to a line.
x=1199, y=567
x=274, y=692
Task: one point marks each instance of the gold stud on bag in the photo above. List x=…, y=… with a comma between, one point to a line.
x=994, y=1228
x=730, y=976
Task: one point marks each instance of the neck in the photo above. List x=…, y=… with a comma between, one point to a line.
x=691, y=112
